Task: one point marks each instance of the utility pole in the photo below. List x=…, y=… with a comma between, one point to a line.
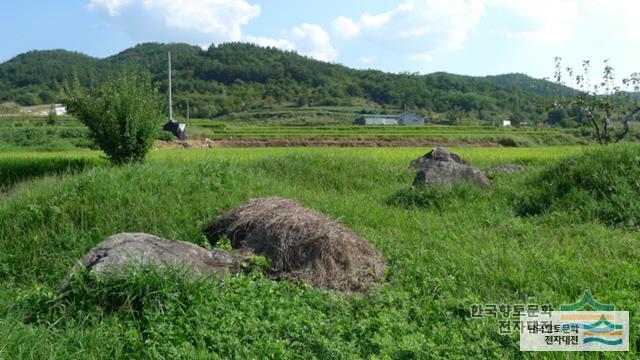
x=178, y=129
x=170, y=99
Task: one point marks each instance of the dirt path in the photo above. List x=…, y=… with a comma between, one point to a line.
x=302, y=142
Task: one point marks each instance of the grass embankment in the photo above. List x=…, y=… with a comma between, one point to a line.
x=471, y=249
x=601, y=185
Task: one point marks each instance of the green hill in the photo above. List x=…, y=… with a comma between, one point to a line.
x=235, y=77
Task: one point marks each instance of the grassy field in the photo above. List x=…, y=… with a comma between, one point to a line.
x=466, y=248
x=452, y=134
x=67, y=133
x=248, y=131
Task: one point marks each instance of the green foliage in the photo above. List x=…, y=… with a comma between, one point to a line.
x=508, y=142
x=257, y=264
x=123, y=116
x=44, y=138
x=129, y=294
x=224, y=243
x=523, y=141
x=166, y=135
x=435, y=197
x=557, y=117
x=600, y=105
x=52, y=115
x=599, y=185
x=38, y=77
x=9, y=108
x=17, y=169
x=235, y=77
x=439, y=262
x=32, y=132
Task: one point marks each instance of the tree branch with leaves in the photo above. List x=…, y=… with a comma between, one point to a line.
x=608, y=107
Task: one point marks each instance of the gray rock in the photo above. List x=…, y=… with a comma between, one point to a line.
x=437, y=154
x=114, y=254
x=444, y=168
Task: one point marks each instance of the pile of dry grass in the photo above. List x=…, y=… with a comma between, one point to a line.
x=301, y=243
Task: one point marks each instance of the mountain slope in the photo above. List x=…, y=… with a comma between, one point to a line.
x=35, y=77
x=237, y=77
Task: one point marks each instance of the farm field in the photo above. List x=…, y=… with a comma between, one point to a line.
x=445, y=253
x=220, y=132
x=67, y=133
x=247, y=179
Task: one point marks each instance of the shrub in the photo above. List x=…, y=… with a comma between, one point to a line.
x=507, y=142
x=165, y=136
x=514, y=142
x=123, y=116
x=599, y=185
x=52, y=116
x=128, y=296
x=9, y=108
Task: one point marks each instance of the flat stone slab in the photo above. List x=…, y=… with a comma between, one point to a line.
x=117, y=252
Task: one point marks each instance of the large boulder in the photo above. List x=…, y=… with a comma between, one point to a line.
x=443, y=168
x=117, y=252
x=301, y=243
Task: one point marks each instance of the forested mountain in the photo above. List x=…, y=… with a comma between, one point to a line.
x=236, y=77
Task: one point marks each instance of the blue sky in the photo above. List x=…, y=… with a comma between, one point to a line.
x=475, y=37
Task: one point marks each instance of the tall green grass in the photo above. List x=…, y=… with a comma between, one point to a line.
x=44, y=138
x=473, y=249
x=15, y=168
x=600, y=185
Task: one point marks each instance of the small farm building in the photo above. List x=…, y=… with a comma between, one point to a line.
x=402, y=119
x=376, y=120
x=411, y=119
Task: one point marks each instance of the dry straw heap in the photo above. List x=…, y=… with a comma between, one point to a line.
x=301, y=243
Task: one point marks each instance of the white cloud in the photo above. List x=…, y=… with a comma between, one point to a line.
x=307, y=39
x=555, y=22
x=345, y=27
x=283, y=44
x=620, y=17
x=544, y=21
x=423, y=30
x=419, y=27
x=216, y=20
x=112, y=6
x=376, y=21
x=313, y=41
x=206, y=21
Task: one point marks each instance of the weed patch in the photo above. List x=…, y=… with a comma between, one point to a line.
x=599, y=185
x=435, y=197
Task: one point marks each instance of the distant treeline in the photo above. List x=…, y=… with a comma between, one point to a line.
x=235, y=77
